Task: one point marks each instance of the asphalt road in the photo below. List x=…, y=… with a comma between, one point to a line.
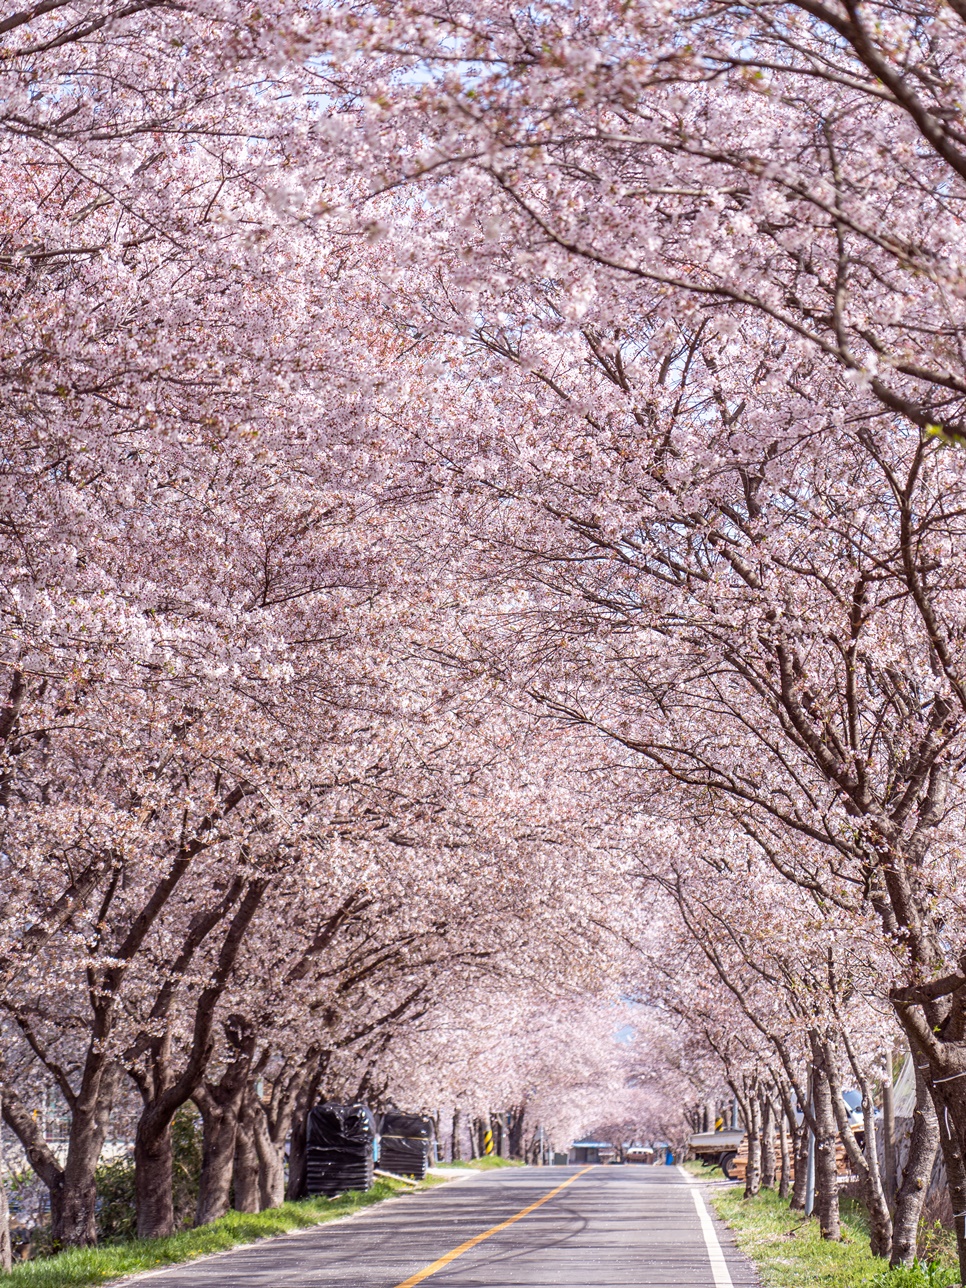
x=612, y=1227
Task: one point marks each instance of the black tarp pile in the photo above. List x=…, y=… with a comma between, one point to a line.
x=338, y=1149
x=406, y=1144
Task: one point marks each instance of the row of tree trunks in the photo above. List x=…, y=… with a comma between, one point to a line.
x=220, y=1106
x=894, y=1203
x=164, y=1087
x=90, y=1097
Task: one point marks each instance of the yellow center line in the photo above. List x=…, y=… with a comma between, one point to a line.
x=431, y=1269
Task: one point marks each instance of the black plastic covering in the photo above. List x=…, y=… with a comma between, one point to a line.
x=339, y=1143
x=406, y=1144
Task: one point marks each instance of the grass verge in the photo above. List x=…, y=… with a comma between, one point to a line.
x=487, y=1164
x=790, y=1252
x=79, y=1267
x=702, y=1171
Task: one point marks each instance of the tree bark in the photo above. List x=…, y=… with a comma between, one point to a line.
x=39, y=1154
x=784, y=1185
x=219, y=1120
x=246, y=1193
x=767, y=1110
x=826, y=1172
x=271, y=1166
x=517, y=1121
x=753, y=1137
x=865, y=1164
x=153, y=1160
x=297, y=1160
x=90, y=1120
x=220, y=1105
x=801, y=1168
x=949, y=1140
x=890, y=1180
x=163, y=1091
x=911, y=1194
x=6, y=1251
x=934, y=1018
x=306, y=1098
x=798, y=1140
x=72, y=1189
x=456, y=1140
x=499, y=1134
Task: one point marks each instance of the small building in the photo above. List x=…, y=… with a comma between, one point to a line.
x=592, y=1151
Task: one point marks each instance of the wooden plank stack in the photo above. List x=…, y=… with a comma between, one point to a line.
x=739, y=1168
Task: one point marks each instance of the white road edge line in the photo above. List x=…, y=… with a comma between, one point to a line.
x=719, y=1267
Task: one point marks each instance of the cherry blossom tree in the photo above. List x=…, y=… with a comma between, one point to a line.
x=415, y=423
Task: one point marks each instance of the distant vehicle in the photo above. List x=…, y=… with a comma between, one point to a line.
x=717, y=1147
x=638, y=1154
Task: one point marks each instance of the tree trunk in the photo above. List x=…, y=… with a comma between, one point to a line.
x=865, y=1164
x=826, y=1172
x=271, y=1165
x=289, y=1101
x=219, y=1120
x=798, y=1141
x=297, y=1160
x=6, y=1252
x=943, y=1061
x=784, y=1185
x=474, y=1139
x=72, y=1190
x=247, y=1195
x=90, y=1120
x=915, y=1180
x=308, y=1092
x=753, y=1137
x=152, y=1176
x=221, y=1104
x=499, y=1134
x=163, y=1090
x=878, y=1200
x=890, y=1180
x=42, y=1159
x=955, y=1166
x=76, y=1226
x=517, y=1118
x=801, y=1168
x=456, y=1140
x=767, y=1143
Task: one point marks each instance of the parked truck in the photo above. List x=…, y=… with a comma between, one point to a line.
x=717, y=1147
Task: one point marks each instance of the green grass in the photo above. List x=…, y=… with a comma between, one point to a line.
x=790, y=1252
x=697, y=1168
x=83, y=1266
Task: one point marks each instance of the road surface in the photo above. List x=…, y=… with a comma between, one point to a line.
x=550, y=1227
